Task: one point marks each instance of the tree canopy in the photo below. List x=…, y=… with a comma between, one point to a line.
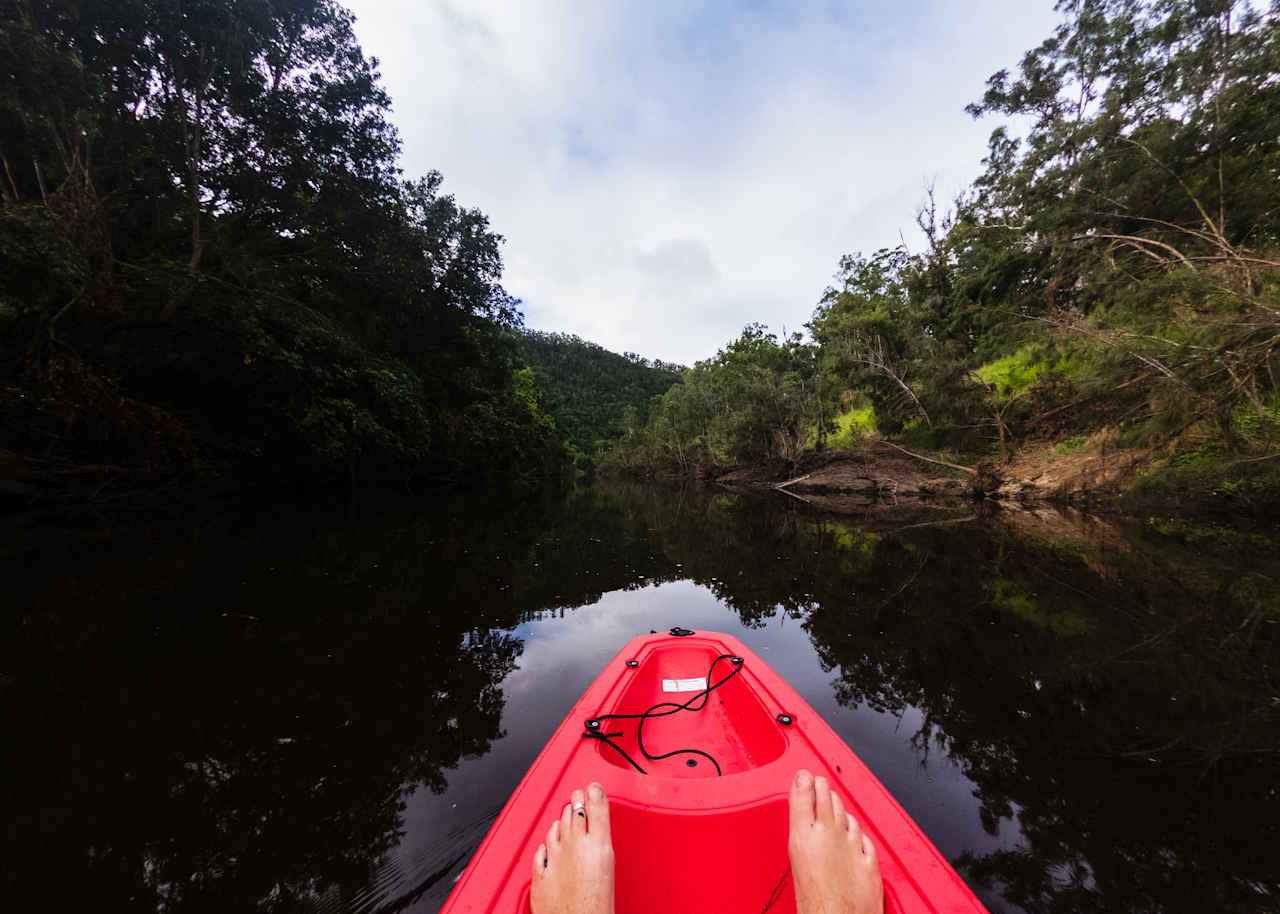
x=596, y=395
x=213, y=259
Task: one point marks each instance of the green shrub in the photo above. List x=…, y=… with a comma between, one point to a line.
x=1071, y=445
x=1248, y=424
x=1209, y=472
x=852, y=426
x=42, y=269
x=1017, y=373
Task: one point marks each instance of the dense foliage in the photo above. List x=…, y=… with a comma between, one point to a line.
x=1115, y=270
x=749, y=402
x=211, y=259
x=596, y=395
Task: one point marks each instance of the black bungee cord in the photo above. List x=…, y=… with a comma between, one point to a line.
x=595, y=725
x=777, y=890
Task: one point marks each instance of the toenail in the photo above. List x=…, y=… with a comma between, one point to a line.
x=596, y=791
x=803, y=778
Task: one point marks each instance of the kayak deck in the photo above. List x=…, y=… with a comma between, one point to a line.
x=686, y=837
x=730, y=725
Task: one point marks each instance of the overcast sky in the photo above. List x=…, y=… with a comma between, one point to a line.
x=666, y=172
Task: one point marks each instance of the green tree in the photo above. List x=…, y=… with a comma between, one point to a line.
x=236, y=276
x=1142, y=189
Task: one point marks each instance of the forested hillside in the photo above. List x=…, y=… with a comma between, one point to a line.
x=596, y=395
x=1111, y=278
x=212, y=263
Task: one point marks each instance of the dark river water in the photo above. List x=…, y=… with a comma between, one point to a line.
x=322, y=708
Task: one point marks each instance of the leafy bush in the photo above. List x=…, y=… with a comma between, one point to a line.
x=1210, y=472
x=1071, y=445
x=851, y=426
x=1016, y=373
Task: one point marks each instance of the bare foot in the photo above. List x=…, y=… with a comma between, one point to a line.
x=573, y=868
x=833, y=864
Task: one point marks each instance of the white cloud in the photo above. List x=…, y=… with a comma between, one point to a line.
x=665, y=173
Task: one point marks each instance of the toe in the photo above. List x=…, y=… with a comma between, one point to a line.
x=540, y=861
x=822, y=800
x=855, y=830
x=566, y=820
x=801, y=800
x=598, y=812
x=839, y=817
x=553, y=839
x=578, y=813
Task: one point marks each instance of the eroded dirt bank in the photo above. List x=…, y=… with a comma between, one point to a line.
x=882, y=471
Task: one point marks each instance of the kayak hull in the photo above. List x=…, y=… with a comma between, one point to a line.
x=694, y=831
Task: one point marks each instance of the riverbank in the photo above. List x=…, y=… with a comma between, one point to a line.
x=1090, y=474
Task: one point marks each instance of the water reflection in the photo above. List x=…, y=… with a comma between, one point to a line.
x=322, y=708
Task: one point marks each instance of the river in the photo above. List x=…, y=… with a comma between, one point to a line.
x=321, y=708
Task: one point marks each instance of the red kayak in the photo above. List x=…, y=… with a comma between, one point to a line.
x=695, y=741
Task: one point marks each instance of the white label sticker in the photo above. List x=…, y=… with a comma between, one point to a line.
x=684, y=685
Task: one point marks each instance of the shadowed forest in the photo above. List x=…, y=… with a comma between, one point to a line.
x=213, y=264
x=215, y=271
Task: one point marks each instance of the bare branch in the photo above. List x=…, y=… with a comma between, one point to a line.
x=1217, y=230
x=955, y=466
x=1138, y=242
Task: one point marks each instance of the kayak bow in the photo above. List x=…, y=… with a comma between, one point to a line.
x=695, y=740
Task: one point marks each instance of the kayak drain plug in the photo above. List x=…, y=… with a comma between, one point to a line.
x=633, y=663
x=692, y=763
x=784, y=719
x=592, y=724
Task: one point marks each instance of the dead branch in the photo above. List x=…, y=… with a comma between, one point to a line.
x=793, y=495
x=790, y=482
x=955, y=466
x=876, y=359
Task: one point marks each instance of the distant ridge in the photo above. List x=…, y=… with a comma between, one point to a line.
x=595, y=392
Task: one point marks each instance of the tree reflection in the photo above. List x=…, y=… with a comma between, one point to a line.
x=1112, y=689
x=230, y=715
x=230, y=712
